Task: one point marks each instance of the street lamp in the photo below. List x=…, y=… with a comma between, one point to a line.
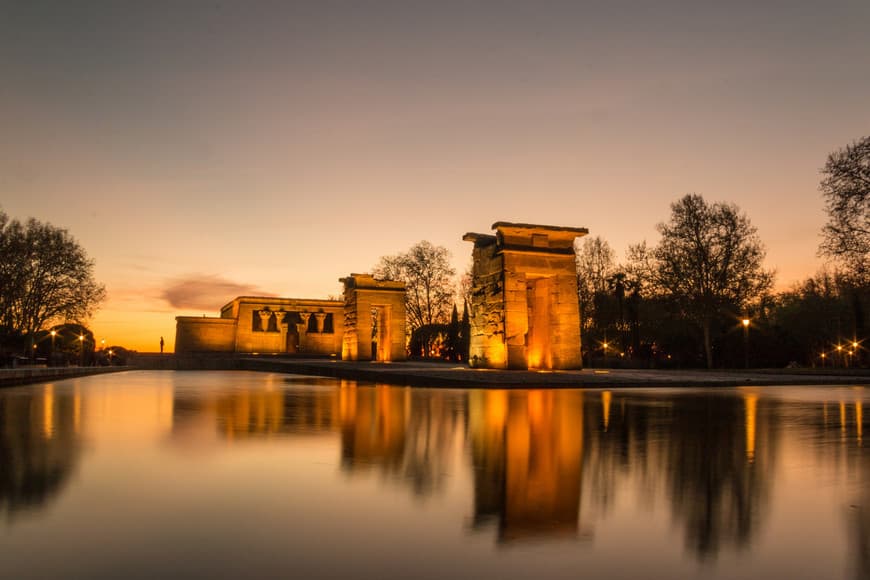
x=840, y=352
x=823, y=360
x=745, y=322
x=81, y=350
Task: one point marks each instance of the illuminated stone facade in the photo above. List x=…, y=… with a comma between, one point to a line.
x=369, y=324
x=260, y=324
x=524, y=308
x=374, y=319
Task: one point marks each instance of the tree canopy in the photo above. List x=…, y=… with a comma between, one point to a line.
x=846, y=191
x=428, y=276
x=710, y=259
x=45, y=276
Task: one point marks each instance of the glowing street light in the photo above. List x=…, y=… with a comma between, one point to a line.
x=81, y=350
x=745, y=323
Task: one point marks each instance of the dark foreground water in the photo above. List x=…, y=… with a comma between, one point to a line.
x=220, y=474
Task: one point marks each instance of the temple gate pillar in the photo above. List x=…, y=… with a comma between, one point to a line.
x=364, y=295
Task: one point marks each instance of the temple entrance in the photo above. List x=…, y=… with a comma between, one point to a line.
x=380, y=333
x=292, y=339
x=538, y=351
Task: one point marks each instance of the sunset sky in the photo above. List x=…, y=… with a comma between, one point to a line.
x=203, y=150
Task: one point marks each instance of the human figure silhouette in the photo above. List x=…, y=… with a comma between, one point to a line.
x=161, y=345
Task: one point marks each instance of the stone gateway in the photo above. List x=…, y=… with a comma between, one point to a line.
x=524, y=308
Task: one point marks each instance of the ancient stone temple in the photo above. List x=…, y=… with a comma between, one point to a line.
x=369, y=324
x=374, y=319
x=524, y=308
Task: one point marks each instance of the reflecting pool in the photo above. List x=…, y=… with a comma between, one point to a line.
x=154, y=474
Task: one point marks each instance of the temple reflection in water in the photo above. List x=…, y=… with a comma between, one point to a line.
x=527, y=455
x=531, y=465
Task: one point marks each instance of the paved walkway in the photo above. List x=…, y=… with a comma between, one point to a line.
x=444, y=375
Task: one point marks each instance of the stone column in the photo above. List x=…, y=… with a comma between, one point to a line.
x=265, y=315
x=321, y=318
x=302, y=329
x=281, y=319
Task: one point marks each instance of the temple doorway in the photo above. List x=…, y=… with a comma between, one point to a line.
x=538, y=343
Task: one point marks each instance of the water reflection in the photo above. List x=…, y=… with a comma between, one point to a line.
x=709, y=474
x=39, y=445
x=527, y=454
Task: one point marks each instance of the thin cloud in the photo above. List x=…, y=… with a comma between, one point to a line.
x=206, y=292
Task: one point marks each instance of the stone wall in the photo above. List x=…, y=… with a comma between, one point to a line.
x=288, y=325
x=487, y=347
x=201, y=334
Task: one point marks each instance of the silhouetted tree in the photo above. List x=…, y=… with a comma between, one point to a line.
x=465, y=333
x=45, y=276
x=426, y=271
x=708, y=260
x=453, y=336
x=846, y=190
x=595, y=264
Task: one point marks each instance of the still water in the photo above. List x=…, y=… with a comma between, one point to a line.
x=218, y=474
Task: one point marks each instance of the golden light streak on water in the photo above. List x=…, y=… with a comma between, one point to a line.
x=77, y=410
x=48, y=411
x=605, y=404
x=843, y=418
x=751, y=402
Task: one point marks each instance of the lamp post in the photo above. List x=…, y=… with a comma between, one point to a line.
x=840, y=352
x=823, y=360
x=745, y=322
x=81, y=350
x=53, y=334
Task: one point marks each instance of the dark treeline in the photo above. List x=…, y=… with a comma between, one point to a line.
x=702, y=298
x=820, y=322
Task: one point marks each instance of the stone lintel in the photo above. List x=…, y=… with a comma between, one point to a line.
x=368, y=282
x=479, y=239
x=272, y=301
x=578, y=232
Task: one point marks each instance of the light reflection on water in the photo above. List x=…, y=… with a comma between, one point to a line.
x=151, y=474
